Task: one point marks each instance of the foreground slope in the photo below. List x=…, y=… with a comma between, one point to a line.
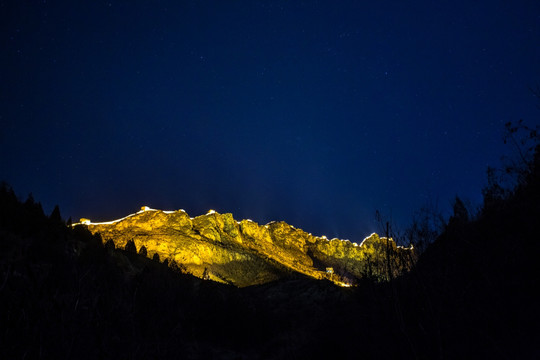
x=217, y=247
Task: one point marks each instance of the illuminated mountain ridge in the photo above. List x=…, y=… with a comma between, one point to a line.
x=217, y=247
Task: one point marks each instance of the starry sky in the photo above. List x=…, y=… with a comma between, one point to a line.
x=313, y=112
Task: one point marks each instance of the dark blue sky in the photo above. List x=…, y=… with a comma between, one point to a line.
x=316, y=113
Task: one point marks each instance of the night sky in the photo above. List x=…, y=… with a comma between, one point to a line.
x=313, y=112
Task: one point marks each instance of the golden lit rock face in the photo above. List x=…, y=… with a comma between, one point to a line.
x=245, y=253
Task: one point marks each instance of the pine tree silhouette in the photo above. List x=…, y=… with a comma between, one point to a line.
x=109, y=245
x=143, y=251
x=130, y=247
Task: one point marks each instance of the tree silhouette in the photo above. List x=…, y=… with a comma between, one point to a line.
x=143, y=251
x=55, y=215
x=174, y=266
x=109, y=245
x=130, y=247
x=461, y=213
x=427, y=224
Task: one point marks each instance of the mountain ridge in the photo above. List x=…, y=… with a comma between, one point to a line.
x=217, y=247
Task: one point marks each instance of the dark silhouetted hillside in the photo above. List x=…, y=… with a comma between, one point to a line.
x=64, y=294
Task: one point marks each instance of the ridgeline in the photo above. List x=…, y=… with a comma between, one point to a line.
x=243, y=253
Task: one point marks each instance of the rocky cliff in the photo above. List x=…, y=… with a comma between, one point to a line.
x=242, y=253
